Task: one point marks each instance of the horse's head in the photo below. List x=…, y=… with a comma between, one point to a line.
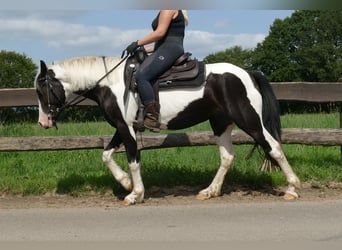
x=51, y=96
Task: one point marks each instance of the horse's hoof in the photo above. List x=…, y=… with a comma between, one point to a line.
x=202, y=197
x=126, y=202
x=290, y=196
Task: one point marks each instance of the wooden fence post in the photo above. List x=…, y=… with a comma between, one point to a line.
x=340, y=109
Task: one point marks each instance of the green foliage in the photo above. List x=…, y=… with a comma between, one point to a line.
x=304, y=47
x=235, y=55
x=17, y=71
x=307, y=46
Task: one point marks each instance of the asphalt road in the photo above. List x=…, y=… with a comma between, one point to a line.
x=245, y=222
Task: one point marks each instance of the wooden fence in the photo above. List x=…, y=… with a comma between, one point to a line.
x=295, y=91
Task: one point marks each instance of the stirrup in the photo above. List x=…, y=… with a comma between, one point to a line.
x=138, y=126
x=155, y=122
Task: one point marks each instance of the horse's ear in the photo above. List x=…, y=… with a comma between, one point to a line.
x=43, y=68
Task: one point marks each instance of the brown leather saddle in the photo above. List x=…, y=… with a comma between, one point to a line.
x=185, y=73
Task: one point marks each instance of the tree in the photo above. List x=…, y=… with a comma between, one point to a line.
x=16, y=70
x=235, y=55
x=304, y=47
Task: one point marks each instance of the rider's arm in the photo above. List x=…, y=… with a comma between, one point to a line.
x=164, y=21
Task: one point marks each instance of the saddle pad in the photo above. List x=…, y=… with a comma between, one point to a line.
x=192, y=83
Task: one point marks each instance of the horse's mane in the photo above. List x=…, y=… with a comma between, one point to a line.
x=81, y=61
x=83, y=71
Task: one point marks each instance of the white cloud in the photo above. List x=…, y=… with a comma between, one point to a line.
x=75, y=39
x=59, y=34
x=203, y=43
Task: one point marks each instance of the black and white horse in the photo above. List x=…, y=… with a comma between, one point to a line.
x=231, y=96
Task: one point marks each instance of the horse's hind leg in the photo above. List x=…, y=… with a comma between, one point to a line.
x=243, y=102
x=277, y=154
x=224, y=141
x=273, y=148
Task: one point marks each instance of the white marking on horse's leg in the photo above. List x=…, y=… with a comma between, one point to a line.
x=137, y=195
x=226, y=157
x=121, y=176
x=292, y=179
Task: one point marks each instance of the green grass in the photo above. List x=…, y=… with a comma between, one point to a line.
x=78, y=171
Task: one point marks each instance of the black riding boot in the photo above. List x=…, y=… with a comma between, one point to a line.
x=151, y=120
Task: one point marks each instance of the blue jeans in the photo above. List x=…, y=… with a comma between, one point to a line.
x=154, y=66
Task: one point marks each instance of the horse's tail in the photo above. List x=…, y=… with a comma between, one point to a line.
x=270, y=106
x=270, y=112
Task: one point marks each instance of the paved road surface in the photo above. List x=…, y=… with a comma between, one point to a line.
x=247, y=222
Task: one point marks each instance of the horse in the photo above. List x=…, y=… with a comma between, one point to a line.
x=229, y=97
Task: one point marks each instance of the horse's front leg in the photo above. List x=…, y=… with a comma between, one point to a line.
x=133, y=157
x=121, y=176
x=108, y=158
x=137, y=194
x=133, y=183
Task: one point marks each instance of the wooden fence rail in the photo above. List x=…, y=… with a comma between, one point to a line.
x=299, y=91
x=285, y=91
x=326, y=137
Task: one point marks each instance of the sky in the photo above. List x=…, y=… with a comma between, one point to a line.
x=45, y=31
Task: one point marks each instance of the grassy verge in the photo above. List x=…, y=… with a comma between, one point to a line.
x=74, y=172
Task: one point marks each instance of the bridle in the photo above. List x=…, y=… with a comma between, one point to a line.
x=54, y=110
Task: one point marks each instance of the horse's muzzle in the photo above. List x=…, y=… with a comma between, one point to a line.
x=47, y=121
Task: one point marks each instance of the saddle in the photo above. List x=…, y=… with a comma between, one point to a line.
x=185, y=73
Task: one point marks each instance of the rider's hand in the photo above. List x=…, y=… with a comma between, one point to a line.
x=132, y=47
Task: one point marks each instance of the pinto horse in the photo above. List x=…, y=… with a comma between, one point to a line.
x=230, y=96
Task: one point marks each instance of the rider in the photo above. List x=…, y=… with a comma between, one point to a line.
x=167, y=36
